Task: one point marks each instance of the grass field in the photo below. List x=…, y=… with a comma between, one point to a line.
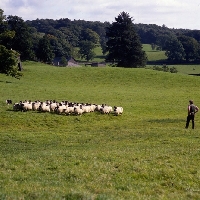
x=144, y=154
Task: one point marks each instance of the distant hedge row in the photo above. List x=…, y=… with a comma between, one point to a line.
x=165, y=68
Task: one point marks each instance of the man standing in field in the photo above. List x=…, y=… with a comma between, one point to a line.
x=192, y=109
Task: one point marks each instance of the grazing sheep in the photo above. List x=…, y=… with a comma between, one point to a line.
x=53, y=106
x=69, y=110
x=61, y=108
x=66, y=107
x=27, y=105
x=92, y=107
x=78, y=110
x=98, y=108
x=86, y=108
x=44, y=107
x=36, y=105
x=106, y=109
x=118, y=110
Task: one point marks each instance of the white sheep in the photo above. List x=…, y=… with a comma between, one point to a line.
x=86, y=108
x=61, y=108
x=44, y=107
x=118, y=110
x=26, y=106
x=78, y=110
x=69, y=110
x=36, y=105
x=106, y=109
x=92, y=107
x=98, y=108
x=66, y=107
x=53, y=106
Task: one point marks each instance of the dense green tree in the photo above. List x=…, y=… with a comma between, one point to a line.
x=194, y=34
x=191, y=47
x=3, y=24
x=86, y=50
x=8, y=62
x=60, y=46
x=44, y=52
x=90, y=35
x=71, y=38
x=174, y=49
x=36, y=36
x=22, y=41
x=56, y=46
x=163, y=39
x=9, y=59
x=6, y=35
x=6, y=38
x=123, y=45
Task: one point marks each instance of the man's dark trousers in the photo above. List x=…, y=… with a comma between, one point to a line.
x=190, y=117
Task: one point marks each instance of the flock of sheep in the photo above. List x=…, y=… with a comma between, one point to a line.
x=64, y=107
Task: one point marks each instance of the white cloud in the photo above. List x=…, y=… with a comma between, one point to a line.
x=172, y=13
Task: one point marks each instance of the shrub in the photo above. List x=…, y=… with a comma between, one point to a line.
x=173, y=70
x=165, y=68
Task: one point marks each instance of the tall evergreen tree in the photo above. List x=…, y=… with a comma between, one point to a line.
x=123, y=45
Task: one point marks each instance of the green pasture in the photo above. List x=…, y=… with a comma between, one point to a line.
x=99, y=56
x=182, y=69
x=154, y=55
x=144, y=154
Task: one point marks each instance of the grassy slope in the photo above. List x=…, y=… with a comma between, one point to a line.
x=153, y=55
x=143, y=154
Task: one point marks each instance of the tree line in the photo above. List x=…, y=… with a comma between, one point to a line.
x=120, y=41
x=179, y=44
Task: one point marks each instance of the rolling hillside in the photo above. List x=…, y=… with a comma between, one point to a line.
x=144, y=154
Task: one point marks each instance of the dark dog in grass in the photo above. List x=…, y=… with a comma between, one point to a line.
x=8, y=101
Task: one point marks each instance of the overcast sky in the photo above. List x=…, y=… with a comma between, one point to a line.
x=172, y=13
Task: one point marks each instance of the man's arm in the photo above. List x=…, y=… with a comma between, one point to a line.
x=188, y=109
